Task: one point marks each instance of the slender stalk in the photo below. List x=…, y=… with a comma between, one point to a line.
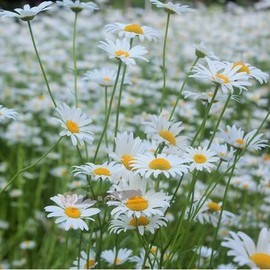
x=164, y=63
x=109, y=112
x=40, y=64
x=219, y=120
x=182, y=88
x=202, y=126
x=75, y=60
x=106, y=110
x=65, y=250
x=79, y=249
x=30, y=166
x=223, y=206
x=119, y=104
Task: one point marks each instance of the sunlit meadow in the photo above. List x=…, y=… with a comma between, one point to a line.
x=135, y=138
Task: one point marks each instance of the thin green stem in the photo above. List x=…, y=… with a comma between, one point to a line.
x=75, y=60
x=30, y=166
x=65, y=249
x=219, y=120
x=79, y=250
x=182, y=88
x=164, y=63
x=40, y=64
x=109, y=112
x=106, y=110
x=202, y=126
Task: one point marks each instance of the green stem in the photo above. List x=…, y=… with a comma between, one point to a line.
x=40, y=64
x=65, y=250
x=219, y=120
x=182, y=88
x=108, y=113
x=30, y=166
x=106, y=110
x=202, y=126
x=79, y=250
x=119, y=104
x=75, y=60
x=164, y=63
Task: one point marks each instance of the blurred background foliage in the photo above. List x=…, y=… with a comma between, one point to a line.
x=11, y=4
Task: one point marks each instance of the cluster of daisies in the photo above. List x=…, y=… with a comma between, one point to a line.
x=140, y=171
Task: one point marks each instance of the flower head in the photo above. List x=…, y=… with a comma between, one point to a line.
x=122, y=50
x=77, y=6
x=26, y=13
x=123, y=255
x=132, y=30
x=7, y=113
x=83, y=260
x=172, y=8
x=72, y=210
x=75, y=124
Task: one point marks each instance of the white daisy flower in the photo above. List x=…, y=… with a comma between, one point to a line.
x=246, y=252
x=126, y=148
x=7, y=113
x=77, y=6
x=210, y=212
x=28, y=244
x=103, y=77
x=75, y=124
x=201, y=158
x=139, y=202
x=142, y=223
x=121, y=50
x=227, y=76
x=116, y=258
x=202, y=51
x=172, y=8
x=160, y=129
x=236, y=138
x=26, y=13
x=72, y=210
x=83, y=261
x=132, y=30
x=168, y=165
x=252, y=72
x=223, y=152
x=103, y=171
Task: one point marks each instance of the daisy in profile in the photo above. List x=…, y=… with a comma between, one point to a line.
x=171, y=7
x=71, y=211
x=202, y=51
x=103, y=171
x=6, y=113
x=26, y=13
x=28, y=244
x=76, y=125
x=252, y=72
x=201, y=158
x=77, y=6
x=168, y=165
x=132, y=30
x=139, y=202
x=161, y=129
x=210, y=212
x=142, y=223
x=126, y=148
x=83, y=261
x=116, y=258
x=122, y=51
x=246, y=252
x=236, y=138
x=103, y=77
x=227, y=76
x=223, y=152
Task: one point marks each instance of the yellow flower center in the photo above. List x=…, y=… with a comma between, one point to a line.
x=72, y=126
x=91, y=263
x=64, y=172
x=240, y=141
x=101, y=171
x=106, y=79
x=1, y=113
x=223, y=78
x=261, y=260
x=72, y=212
x=134, y=28
x=137, y=203
x=160, y=164
x=266, y=157
x=125, y=160
x=210, y=94
x=245, y=186
x=121, y=53
x=153, y=250
x=168, y=136
x=213, y=207
x=199, y=158
x=141, y=221
x=244, y=67
x=118, y=261
x=41, y=97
